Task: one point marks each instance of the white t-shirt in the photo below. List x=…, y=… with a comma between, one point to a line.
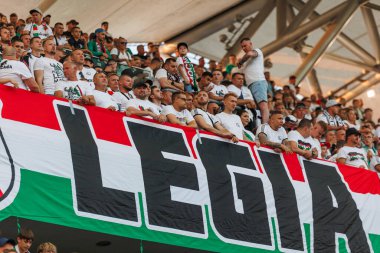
x=88, y=74
x=272, y=135
x=374, y=161
x=354, y=156
x=122, y=55
x=208, y=117
x=74, y=89
x=142, y=105
x=232, y=123
x=349, y=125
x=53, y=72
x=316, y=144
x=302, y=143
x=121, y=100
x=377, y=132
x=254, y=68
x=15, y=70
x=184, y=116
x=160, y=108
x=104, y=100
x=60, y=41
x=31, y=61
x=219, y=90
x=161, y=73
x=43, y=31
x=244, y=90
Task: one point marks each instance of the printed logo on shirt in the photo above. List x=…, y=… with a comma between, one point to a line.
x=304, y=145
x=73, y=93
x=4, y=65
x=58, y=74
x=354, y=156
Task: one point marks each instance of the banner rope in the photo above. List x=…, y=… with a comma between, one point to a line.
x=18, y=226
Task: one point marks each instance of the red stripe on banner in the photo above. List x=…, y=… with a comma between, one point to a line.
x=31, y=108
x=360, y=180
x=108, y=125
x=37, y=109
x=1, y=193
x=252, y=145
x=294, y=167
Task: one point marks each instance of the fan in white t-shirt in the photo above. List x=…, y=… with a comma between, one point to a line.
x=83, y=73
x=38, y=28
x=206, y=120
x=73, y=89
x=273, y=134
x=141, y=106
x=374, y=164
x=218, y=90
x=231, y=121
x=156, y=97
x=237, y=87
x=350, y=154
x=48, y=71
x=301, y=142
x=15, y=73
x=35, y=53
x=177, y=112
x=164, y=77
x=317, y=131
x=102, y=98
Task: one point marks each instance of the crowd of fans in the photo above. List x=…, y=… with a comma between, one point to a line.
x=237, y=101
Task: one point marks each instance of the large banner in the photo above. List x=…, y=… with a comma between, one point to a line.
x=98, y=170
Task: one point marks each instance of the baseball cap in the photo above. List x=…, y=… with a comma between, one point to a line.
x=352, y=131
x=99, y=30
x=300, y=106
x=35, y=10
x=291, y=119
x=332, y=102
x=4, y=240
x=140, y=84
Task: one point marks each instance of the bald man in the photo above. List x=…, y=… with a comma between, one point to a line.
x=73, y=89
x=15, y=73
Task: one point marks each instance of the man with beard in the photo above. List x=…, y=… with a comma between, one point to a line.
x=177, y=112
x=142, y=107
x=156, y=98
x=206, y=120
x=48, y=71
x=350, y=153
x=167, y=78
x=121, y=89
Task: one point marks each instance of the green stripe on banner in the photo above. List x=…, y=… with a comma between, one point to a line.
x=49, y=199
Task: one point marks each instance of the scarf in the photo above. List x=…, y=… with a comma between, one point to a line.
x=190, y=72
